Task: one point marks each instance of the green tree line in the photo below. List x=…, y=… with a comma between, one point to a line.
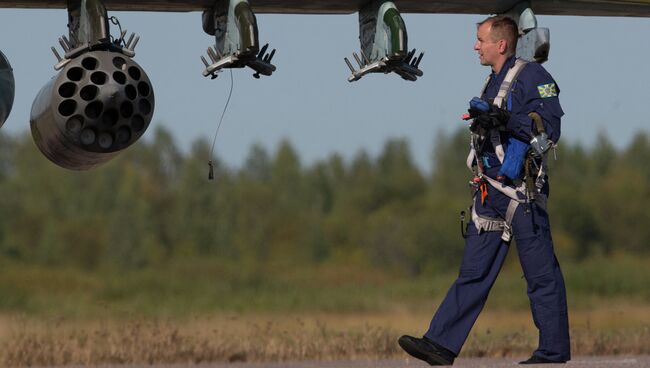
x=153, y=205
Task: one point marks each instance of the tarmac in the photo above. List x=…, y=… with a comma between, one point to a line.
x=642, y=361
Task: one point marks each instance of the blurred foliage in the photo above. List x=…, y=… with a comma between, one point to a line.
x=153, y=209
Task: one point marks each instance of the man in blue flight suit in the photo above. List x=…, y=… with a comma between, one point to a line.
x=528, y=104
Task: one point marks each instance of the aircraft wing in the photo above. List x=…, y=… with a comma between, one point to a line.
x=627, y=8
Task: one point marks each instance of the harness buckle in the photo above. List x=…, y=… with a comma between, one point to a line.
x=475, y=182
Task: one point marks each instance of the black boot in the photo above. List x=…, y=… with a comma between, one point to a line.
x=539, y=360
x=427, y=350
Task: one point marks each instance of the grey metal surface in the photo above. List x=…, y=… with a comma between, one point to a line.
x=535, y=45
x=384, y=43
x=638, y=8
x=234, y=26
x=99, y=104
x=535, y=42
x=7, y=88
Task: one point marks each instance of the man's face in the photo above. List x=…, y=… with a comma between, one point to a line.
x=489, y=50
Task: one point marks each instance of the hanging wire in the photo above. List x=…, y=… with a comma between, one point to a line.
x=214, y=140
x=119, y=41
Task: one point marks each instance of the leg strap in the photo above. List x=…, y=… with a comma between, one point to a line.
x=483, y=223
x=510, y=214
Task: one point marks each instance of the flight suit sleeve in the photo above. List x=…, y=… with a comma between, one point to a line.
x=535, y=90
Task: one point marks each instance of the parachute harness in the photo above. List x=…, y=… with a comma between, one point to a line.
x=522, y=194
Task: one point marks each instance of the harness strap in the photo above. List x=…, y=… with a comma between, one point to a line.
x=504, y=89
x=516, y=194
x=495, y=138
x=541, y=174
x=510, y=214
x=539, y=127
x=539, y=122
x=507, y=83
x=484, y=223
x=470, y=159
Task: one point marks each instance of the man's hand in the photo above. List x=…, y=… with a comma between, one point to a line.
x=488, y=120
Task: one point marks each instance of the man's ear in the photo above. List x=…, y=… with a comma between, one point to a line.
x=503, y=46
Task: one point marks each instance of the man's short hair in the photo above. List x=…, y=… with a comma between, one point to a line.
x=503, y=28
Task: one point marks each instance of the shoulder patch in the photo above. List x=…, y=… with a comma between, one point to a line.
x=547, y=90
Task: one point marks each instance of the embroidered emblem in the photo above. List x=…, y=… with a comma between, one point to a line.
x=547, y=90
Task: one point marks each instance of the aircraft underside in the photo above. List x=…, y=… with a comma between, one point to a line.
x=639, y=8
x=102, y=101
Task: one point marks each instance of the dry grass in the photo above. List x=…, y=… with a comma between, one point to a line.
x=270, y=338
x=28, y=342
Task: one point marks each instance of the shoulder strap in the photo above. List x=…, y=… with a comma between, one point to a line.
x=506, y=85
x=504, y=89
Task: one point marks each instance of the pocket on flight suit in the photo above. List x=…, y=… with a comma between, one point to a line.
x=479, y=253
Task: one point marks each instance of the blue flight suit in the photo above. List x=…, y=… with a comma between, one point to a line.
x=484, y=253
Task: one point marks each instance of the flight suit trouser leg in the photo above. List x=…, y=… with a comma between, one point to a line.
x=482, y=260
x=546, y=289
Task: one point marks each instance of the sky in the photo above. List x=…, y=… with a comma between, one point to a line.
x=602, y=66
